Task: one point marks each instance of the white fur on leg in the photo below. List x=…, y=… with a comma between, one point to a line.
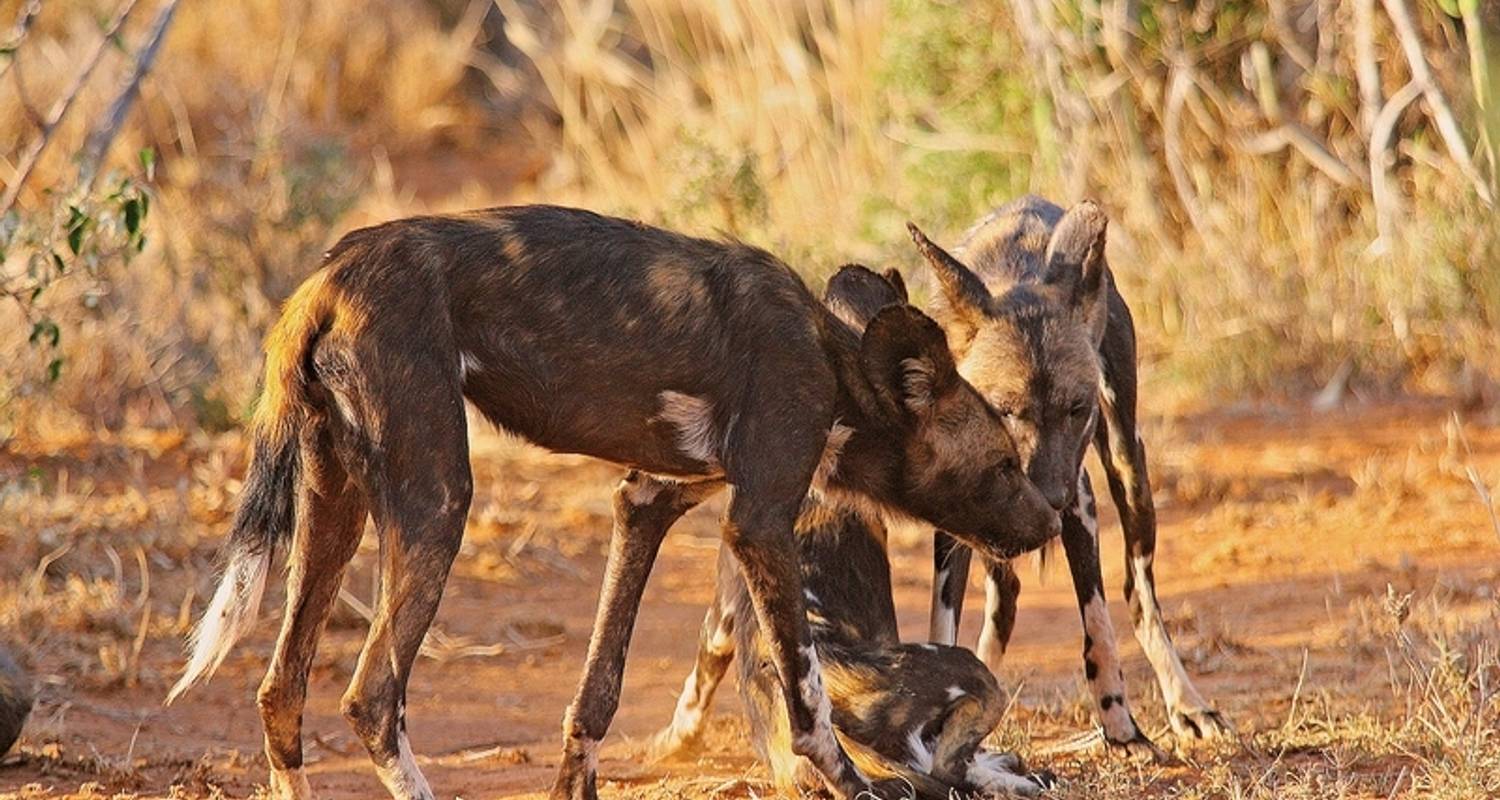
x=988, y=649
x=229, y=616
x=994, y=773
x=687, y=720
x=401, y=776
x=289, y=784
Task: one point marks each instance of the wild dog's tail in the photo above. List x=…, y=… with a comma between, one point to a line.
x=266, y=516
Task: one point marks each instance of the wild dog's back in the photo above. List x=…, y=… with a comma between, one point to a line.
x=561, y=315
x=1009, y=244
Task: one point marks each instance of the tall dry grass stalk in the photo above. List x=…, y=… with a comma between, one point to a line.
x=759, y=119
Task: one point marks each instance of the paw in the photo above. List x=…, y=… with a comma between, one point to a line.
x=1136, y=745
x=1002, y=774
x=574, y=784
x=670, y=742
x=1198, y=723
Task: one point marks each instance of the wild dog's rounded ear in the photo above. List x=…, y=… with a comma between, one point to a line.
x=964, y=295
x=905, y=356
x=1075, y=256
x=855, y=294
x=893, y=277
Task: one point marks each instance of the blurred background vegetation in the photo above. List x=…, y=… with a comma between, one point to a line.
x=1302, y=190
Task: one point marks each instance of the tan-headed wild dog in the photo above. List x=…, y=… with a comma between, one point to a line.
x=707, y=362
x=912, y=712
x=1053, y=348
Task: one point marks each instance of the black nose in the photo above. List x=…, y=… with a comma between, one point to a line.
x=1057, y=496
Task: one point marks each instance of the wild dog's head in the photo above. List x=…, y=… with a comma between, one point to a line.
x=1033, y=350
x=952, y=461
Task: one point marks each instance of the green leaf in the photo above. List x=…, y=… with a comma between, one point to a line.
x=148, y=162
x=54, y=370
x=45, y=330
x=78, y=224
x=57, y=261
x=132, y=216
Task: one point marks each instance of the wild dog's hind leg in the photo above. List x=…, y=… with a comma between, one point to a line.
x=1101, y=657
x=715, y=652
x=645, y=508
x=413, y=458
x=330, y=518
x=1124, y=458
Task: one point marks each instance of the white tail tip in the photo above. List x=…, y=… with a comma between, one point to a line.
x=229, y=615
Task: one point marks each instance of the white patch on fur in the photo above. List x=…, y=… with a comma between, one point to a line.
x=1107, y=681
x=230, y=614
x=811, y=598
x=994, y=773
x=468, y=364
x=688, y=716
x=828, y=464
x=694, y=419
x=929, y=647
x=289, y=784
x=943, y=627
x=989, y=649
x=1176, y=687
x=921, y=754
x=401, y=776
x=955, y=692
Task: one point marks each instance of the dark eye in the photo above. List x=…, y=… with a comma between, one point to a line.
x=1081, y=408
x=1008, y=464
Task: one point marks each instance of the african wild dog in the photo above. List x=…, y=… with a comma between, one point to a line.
x=1053, y=347
x=914, y=712
x=704, y=361
x=15, y=701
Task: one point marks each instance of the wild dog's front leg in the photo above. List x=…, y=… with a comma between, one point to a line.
x=760, y=535
x=1101, y=657
x=644, y=509
x=715, y=652
x=1124, y=457
x=1002, y=587
x=950, y=579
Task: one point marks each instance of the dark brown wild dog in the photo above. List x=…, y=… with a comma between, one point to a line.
x=913, y=712
x=1053, y=347
x=16, y=698
x=704, y=361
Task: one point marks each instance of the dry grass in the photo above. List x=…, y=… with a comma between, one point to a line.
x=815, y=130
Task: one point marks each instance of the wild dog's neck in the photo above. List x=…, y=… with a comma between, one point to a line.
x=865, y=456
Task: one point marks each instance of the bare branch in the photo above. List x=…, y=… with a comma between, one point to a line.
x=1380, y=141
x=34, y=151
x=97, y=145
x=1437, y=104
x=1180, y=84
x=1366, y=68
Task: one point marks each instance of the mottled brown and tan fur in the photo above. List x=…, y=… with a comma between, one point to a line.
x=1037, y=325
x=695, y=363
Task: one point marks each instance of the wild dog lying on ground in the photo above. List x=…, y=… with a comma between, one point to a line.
x=915, y=712
x=15, y=701
x=707, y=362
x=1053, y=348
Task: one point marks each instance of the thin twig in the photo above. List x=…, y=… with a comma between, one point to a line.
x=34, y=151
x=1366, y=67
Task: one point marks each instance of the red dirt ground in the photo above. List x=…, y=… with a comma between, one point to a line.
x=1280, y=533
